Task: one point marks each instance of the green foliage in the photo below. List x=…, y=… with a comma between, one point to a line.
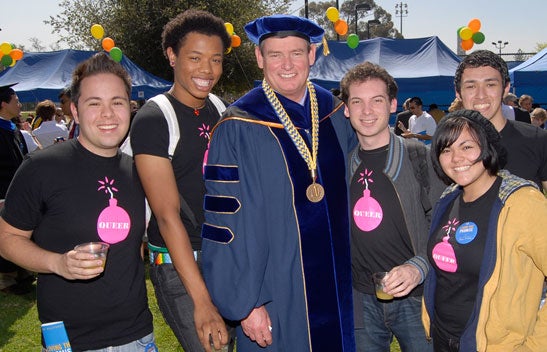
x=540, y=46
x=139, y=36
x=520, y=56
x=317, y=10
x=20, y=327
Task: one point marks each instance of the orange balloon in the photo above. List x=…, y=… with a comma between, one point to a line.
x=236, y=41
x=474, y=25
x=108, y=43
x=341, y=27
x=467, y=44
x=16, y=54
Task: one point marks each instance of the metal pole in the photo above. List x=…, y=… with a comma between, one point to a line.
x=401, y=18
x=338, y=8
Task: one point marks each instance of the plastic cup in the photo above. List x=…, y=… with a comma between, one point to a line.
x=100, y=249
x=379, y=286
x=224, y=348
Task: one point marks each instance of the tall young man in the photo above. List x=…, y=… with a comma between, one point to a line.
x=194, y=42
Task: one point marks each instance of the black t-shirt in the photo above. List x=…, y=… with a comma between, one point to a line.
x=457, y=260
x=379, y=237
x=67, y=195
x=527, y=150
x=150, y=135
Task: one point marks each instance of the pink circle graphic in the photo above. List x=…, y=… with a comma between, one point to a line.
x=114, y=223
x=444, y=256
x=367, y=212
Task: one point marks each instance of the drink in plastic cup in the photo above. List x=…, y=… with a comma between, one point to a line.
x=224, y=348
x=378, y=279
x=100, y=249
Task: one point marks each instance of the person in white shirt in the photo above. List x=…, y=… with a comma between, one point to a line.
x=49, y=130
x=421, y=125
x=26, y=131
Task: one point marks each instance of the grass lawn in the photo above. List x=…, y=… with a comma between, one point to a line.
x=20, y=327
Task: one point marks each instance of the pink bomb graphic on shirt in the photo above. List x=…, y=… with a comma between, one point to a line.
x=204, y=132
x=367, y=212
x=443, y=252
x=114, y=223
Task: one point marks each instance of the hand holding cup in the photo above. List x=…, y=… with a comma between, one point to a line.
x=97, y=252
x=379, y=286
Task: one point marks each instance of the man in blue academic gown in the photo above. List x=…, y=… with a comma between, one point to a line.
x=276, y=253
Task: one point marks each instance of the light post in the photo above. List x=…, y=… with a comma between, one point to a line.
x=369, y=22
x=401, y=10
x=500, y=45
x=362, y=7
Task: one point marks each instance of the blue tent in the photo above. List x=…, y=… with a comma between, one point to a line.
x=530, y=77
x=422, y=67
x=43, y=75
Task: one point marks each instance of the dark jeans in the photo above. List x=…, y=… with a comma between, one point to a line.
x=443, y=343
x=177, y=306
x=377, y=322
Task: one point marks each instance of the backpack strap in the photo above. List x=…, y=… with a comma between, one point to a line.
x=418, y=155
x=172, y=124
x=219, y=104
x=417, y=152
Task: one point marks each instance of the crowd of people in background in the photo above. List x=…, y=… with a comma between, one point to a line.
x=266, y=234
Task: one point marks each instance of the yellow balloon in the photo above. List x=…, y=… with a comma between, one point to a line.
x=97, y=31
x=229, y=28
x=5, y=48
x=332, y=14
x=466, y=33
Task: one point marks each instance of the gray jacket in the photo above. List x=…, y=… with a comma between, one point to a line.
x=416, y=201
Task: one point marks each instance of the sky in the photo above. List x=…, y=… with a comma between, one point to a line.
x=522, y=24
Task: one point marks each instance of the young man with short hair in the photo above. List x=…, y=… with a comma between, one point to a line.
x=103, y=307
x=481, y=82
x=194, y=42
x=392, y=190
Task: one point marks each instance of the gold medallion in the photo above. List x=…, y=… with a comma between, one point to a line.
x=315, y=192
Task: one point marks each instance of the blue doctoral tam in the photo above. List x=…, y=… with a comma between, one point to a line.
x=283, y=26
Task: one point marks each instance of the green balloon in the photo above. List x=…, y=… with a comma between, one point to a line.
x=478, y=38
x=6, y=60
x=353, y=41
x=116, y=54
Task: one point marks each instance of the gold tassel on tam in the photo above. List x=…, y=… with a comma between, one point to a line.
x=326, y=50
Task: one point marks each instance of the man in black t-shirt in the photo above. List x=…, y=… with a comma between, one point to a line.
x=390, y=215
x=102, y=304
x=481, y=81
x=194, y=42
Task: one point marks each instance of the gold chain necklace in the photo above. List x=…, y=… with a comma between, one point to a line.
x=315, y=191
